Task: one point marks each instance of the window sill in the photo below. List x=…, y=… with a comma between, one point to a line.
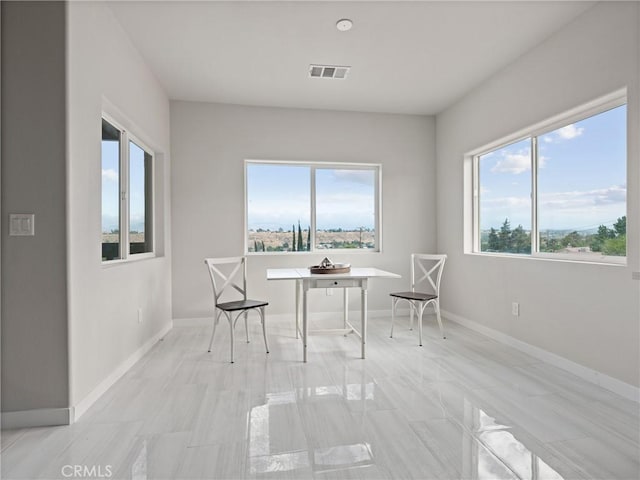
x=327, y=252
x=575, y=259
x=138, y=257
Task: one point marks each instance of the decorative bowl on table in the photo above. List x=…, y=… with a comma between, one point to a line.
x=327, y=266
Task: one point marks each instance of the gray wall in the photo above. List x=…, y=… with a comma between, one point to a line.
x=209, y=145
x=586, y=313
x=34, y=269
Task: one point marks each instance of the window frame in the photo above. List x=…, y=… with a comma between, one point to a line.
x=583, y=112
x=126, y=137
x=313, y=166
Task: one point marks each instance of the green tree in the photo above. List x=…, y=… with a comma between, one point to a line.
x=605, y=233
x=493, y=245
x=615, y=246
x=293, y=242
x=504, y=237
x=599, y=238
x=620, y=227
x=255, y=245
x=300, y=244
x=551, y=245
x=573, y=239
x=309, y=239
x=520, y=240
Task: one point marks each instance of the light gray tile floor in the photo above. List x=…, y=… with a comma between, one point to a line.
x=461, y=408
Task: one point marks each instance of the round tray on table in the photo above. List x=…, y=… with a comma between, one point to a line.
x=335, y=268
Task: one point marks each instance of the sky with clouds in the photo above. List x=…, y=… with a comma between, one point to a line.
x=581, y=177
x=280, y=195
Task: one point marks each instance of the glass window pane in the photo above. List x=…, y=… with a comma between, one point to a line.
x=582, y=186
x=345, y=208
x=278, y=207
x=110, y=192
x=505, y=199
x=140, y=232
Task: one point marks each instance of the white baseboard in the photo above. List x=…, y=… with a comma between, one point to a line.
x=41, y=417
x=45, y=417
x=354, y=316
x=82, y=406
x=193, y=322
x=605, y=381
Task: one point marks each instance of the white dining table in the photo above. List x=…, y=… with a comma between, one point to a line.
x=305, y=280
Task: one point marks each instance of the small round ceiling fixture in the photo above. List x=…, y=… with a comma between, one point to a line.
x=344, y=25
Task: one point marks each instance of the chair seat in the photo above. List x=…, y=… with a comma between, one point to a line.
x=422, y=297
x=241, y=305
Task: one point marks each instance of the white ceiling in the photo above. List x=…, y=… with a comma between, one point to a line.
x=415, y=57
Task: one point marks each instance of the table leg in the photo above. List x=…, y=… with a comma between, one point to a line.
x=298, y=288
x=363, y=310
x=345, y=315
x=305, y=321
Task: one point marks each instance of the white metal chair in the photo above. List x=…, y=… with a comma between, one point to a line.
x=431, y=267
x=227, y=274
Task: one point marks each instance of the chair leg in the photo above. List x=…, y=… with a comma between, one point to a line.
x=412, y=308
x=436, y=305
x=264, y=327
x=394, y=301
x=215, y=324
x=246, y=327
x=420, y=312
x=231, y=325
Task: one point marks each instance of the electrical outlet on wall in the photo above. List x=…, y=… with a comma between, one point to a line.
x=140, y=315
x=515, y=309
x=21, y=224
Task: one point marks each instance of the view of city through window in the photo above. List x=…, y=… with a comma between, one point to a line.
x=136, y=218
x=281, y=202
x=581, y=190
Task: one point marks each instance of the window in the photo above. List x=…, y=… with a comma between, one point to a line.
x=559, y=191
x=110, y=192
x=127, y=194
x=505, y=198
x=139, y=199
x=302, y=207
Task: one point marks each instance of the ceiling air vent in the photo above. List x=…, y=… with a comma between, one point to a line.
x=328, y=71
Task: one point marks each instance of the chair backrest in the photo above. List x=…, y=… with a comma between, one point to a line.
x=429, y=272
x=228, y=273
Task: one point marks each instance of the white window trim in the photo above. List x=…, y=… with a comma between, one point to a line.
x=313, y=166
x=595, y=107
x=125, y=138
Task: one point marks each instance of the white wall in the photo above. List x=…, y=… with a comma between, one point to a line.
x=209, y=145
x=589, y=314
x=105, y=73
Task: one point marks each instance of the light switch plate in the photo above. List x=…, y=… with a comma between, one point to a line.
x=21, y=224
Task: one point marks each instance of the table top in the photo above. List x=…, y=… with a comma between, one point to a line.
x=304, y=273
